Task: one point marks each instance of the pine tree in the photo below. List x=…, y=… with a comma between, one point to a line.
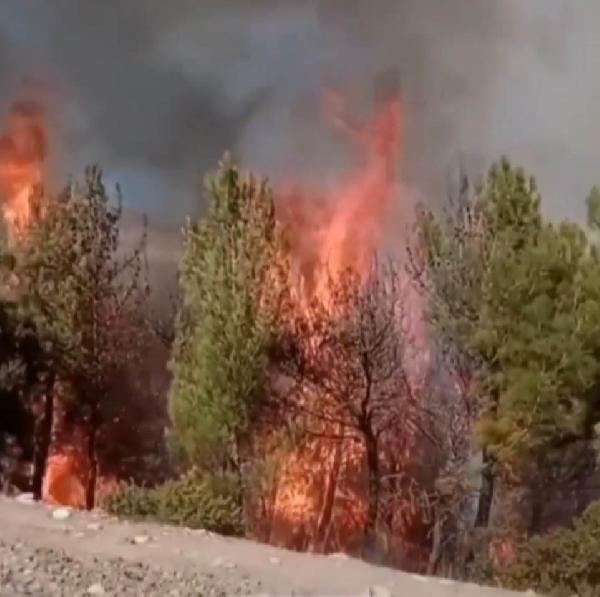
x=518, y=298
x=83, y=298
x=225, y=323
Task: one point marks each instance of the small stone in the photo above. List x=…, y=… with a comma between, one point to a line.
x=95, y=589
x=229, y=565
x=61, y=513
x=141, y=539
x=94, y=526
x=217, y=562
x=274, y=560
x=339, y=556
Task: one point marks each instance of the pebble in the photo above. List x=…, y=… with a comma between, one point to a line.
x=94, y=526
x=141, y=539
x=61, y=513
x=96, y=589
x=274, y=560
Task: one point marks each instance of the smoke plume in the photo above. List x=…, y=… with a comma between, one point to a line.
x=155, y=91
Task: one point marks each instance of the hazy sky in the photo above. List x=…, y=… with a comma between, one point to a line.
x=156, y=91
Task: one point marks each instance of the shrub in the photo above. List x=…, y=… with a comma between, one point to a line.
x=196, y=500
x=564, y=562
x=133, y=501
x=201, y=501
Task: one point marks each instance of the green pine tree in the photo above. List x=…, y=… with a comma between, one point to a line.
x=225, y=323
x=517, y=297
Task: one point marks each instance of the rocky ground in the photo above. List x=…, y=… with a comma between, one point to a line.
x=50, y=552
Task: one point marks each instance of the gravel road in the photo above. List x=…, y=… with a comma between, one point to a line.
x=55, y=552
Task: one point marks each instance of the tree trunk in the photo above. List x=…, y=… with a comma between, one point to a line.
x=319, y=542
x=90, y=495
x=486, y=494
x=43, y=438
x=371, y=446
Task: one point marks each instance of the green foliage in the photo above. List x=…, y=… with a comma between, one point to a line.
x=23, y=361
x=226, y=321
x=518, y=298
x=196, y=501
x=564, y=562
x=133, y=501
x=75, y=286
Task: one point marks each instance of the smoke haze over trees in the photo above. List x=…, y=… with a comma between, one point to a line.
x=163, y=90
x=436, y=415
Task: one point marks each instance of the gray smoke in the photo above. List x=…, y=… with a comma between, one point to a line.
x=155, y=91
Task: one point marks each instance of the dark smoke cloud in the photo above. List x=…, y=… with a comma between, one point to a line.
x=155, y=91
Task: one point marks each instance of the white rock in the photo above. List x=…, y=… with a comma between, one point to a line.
x=141, y=539
x=25, y=498
x=95, y=589
x=61, y=513
x=274, y=560
x=229, y=565
x=94, y=526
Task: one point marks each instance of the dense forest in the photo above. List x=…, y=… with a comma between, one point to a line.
x=434, y=408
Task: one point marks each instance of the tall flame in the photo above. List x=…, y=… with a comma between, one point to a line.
x=330, y=233
x=23, y=150
x=342, y=229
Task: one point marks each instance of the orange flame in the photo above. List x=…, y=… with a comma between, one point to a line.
x=23, y=149
x=329, y=234
x=342, y=230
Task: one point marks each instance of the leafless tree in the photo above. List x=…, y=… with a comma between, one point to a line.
x=346, y=357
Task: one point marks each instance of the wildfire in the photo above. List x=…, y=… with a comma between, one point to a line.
x=341, y=229
x=23, y=150
x=330, y=233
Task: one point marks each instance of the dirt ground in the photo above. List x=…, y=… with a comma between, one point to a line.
x=234, y=566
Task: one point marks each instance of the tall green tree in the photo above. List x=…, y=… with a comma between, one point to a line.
x=518, y=297
x=84, y=299
x=226, y=320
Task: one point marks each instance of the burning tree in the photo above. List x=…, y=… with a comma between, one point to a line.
x=85, y=301
x=347, y=358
